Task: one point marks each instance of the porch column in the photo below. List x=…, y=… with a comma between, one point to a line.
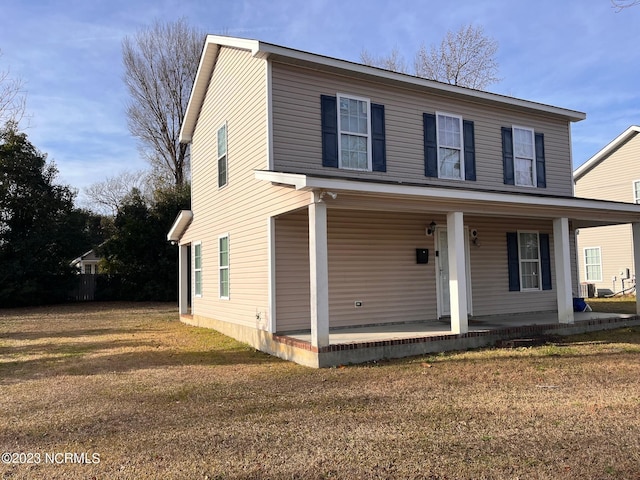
x=183, y=278
x=562, y=255
x=635, y=228
x=457, y=273
x=319, y=273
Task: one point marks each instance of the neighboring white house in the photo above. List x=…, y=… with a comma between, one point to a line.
x=605, y=254
x=86, y=263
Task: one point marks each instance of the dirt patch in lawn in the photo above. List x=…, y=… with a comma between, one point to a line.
x=154, y=398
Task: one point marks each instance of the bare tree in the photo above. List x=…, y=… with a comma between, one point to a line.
x=12, y=98
x=160, y=65
x=619, y=5
x=107, y=197
x=465, y=58
x=394, y=61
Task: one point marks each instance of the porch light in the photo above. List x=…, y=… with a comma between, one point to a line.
x=431, y=228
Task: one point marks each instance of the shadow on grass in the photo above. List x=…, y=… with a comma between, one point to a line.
x=68, y=333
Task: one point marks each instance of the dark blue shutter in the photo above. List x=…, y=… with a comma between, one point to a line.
x=507, y=156
x=545, y=261
x=378, y=149
x=430, y=146
x=540, y=169
x=329, y=113
x=469, y=150
x=513, y=262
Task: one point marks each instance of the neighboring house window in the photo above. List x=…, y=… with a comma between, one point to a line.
x=449, y=147
x=593, y=264
x=87, y=268
x=197, y=269
x=353, y=133
x=529, y=261
x=636, y=191
x=223, y=244
x=523, y=157
x=222, y=156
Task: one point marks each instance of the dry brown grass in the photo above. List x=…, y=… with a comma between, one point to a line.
x=621, y=304
x=158, y=399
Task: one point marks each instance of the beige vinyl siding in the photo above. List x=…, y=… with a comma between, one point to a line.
x=236, y=95
x=616, y=251
x=297, y=131
x=372, y=259
x=612, y=179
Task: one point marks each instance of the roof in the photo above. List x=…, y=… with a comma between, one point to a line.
x=616, y=143
x=259, y=49
x=179, y=226
x=581, y=211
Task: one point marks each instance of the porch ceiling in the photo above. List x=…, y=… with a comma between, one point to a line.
x=368, y=195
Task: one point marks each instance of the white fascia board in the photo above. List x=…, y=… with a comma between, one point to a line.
x=180, y=224
x=602, y=154
x=588, y=206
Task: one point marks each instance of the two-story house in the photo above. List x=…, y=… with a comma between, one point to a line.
x=328, y=195
x=605, y=254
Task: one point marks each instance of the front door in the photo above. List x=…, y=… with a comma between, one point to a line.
x=442, y=272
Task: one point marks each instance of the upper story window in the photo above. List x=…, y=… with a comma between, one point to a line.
x=354, y=140
x=523, y=157
x=353, y=133
x=449, y=147
x=222, y=155
x=450, y=156
x=636, y=191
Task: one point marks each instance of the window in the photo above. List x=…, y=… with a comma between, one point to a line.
x=354, y=141
x=450, y=159
x=636, y=191
x=529, y=261
x=593, y=264
x=524, y=156
x=197, y=269
x=529, y=254
x=223, y=244
x=222, y=156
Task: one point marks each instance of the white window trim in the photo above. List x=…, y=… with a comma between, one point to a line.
x=636, y=199
x=459, y=117
x=369, y=143
x=534, y=173
x=520, y=261
x=227, y=268
x=226, y=155
x=195, y=293
x=584, y=256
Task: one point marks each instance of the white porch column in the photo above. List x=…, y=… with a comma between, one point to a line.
x=183, y=278
x=635, y=227
x=319, y=273
x=562, y=255
x=457, y=273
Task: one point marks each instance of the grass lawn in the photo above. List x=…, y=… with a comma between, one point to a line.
x=153, y=398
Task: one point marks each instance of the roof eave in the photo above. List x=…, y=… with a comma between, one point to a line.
x=179, y=226
x=602, y=154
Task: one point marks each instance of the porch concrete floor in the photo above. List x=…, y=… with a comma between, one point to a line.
x=376, y=333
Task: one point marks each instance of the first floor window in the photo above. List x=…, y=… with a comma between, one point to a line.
x=636, y=191
x=450, y=147
x=524, y=156
x=529, y=252
x=354, y=133
x=197, y=269
x=593, y=264
x=223, y=244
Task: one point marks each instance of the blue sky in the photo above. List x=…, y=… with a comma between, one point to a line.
x=577, y=54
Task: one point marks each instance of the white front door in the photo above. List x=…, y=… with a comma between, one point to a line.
x=442, y=272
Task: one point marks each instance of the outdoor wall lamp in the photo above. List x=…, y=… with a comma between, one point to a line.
x=431, y=228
